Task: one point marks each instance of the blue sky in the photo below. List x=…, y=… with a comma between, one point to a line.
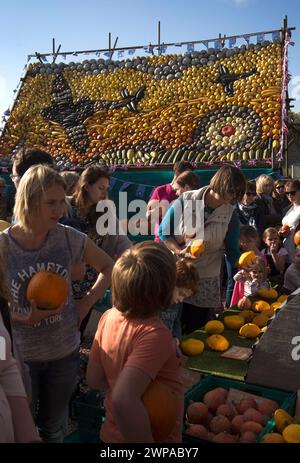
x=28, y=26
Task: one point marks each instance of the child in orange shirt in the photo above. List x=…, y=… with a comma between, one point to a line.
x=132, y=347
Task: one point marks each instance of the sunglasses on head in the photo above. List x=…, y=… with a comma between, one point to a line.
x=280, y=187
x=291, y=193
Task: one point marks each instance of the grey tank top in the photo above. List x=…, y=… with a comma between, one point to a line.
x=58, y=335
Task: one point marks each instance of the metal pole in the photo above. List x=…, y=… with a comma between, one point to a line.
x=53, y=46
x=114, y=47
x=158, y=36
x=109, y=41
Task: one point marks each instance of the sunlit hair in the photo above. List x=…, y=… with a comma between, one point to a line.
x=271, y=231
x=293, y=185
x=33, y=185
x=229, y=180
x=262, y=181
x=143, y=280
x=71, y=179
x=258, y=264
x=187, y=275
x=188, y=178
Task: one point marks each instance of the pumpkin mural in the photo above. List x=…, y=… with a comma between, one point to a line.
x=208, y=106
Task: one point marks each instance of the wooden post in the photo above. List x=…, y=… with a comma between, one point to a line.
x=285, y=142
x=158, y=36
x=114, y=47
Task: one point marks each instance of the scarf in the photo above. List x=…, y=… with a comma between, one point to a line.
x=247, y=213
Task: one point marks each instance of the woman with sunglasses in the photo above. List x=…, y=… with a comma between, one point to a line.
x=280, y=200
x=292, y=216
x=250, y=212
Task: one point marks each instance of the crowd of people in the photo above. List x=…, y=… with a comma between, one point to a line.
x=159, y=290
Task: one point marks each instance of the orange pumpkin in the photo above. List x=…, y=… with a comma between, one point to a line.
x=197, y=248
x=49, y=290
x=297, y=238
x=160, y=404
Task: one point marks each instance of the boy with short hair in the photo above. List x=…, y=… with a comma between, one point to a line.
x=132, y=347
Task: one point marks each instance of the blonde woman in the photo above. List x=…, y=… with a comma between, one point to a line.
x=264, y=189
x=16, y=422
x=49, y=340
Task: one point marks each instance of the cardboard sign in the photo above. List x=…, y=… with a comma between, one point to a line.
x=237, y=353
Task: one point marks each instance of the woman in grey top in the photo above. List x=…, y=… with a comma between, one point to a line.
x=49, y=340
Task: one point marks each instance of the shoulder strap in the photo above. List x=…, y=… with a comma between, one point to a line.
x=68, y=241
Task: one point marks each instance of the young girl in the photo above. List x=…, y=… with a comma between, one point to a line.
x=132, y=346
x=254, y=276
x=187, y=283
x=276, y=254
x=49, y=340
x=292, y=275
x=249, y=240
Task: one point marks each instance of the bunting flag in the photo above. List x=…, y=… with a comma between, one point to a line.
x=107, y=54
x=178, y=44
x=124, y=186
x=131, y=51
x=75, y=53
x=120, y=53
x=232, y=42
x=7, y=112
x=98, y=53
x=205, y=43
x=260, y=38
x=44, y=59
x=64, y=56
x=218, y=44
x=162, y=48
x=276, y=36
x=190, y=47
x=247, y=38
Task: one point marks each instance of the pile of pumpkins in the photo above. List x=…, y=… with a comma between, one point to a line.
x=184, y=114
x=219, y=420
x=252, y=320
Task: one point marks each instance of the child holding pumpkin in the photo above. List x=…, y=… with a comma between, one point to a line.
x=253, y=276
x=48, y=339
x=132, y=347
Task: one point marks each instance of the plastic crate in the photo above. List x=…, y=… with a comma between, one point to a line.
x=208, y=383
x=289, y=407
x=88, y=409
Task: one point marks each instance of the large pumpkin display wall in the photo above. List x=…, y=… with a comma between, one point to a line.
x=207, y=106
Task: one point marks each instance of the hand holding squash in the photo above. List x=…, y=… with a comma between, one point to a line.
x=36, y=315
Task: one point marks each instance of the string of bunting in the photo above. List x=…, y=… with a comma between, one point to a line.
x=162, y=48
x=141, y=189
